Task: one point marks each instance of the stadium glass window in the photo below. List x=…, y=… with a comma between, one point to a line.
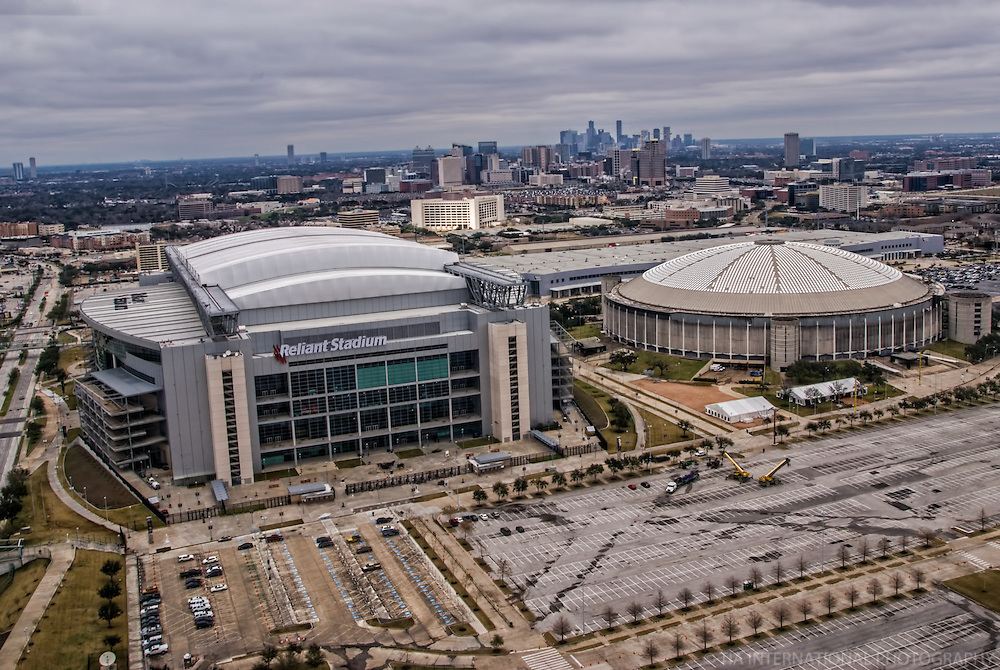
x=371, y=375
x=402, y=394
x=434, y=390
x=343, y=424
x=432, y=367
x=309, y=406
x=343, y=402
x=340, y=379
x=403, y=415
x=402, y=372
x=374, y=419
x=310, y=429
x=373, y=398
x=308, y=382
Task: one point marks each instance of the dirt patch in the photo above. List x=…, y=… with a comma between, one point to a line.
x=83, y=471
x=693, y=396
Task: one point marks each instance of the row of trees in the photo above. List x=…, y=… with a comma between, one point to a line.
x=288, y=659
x=14, y=489
x=109, y=610
x=781, y=613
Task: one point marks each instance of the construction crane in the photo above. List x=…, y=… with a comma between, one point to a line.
x=739, y=474
x=769, y=479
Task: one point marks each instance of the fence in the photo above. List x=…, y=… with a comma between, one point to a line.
x=404, y=480
x=230, y=507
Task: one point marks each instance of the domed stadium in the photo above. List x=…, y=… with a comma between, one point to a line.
x=260, y=350
x=773, y=302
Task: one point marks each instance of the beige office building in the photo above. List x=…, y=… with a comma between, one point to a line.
x=481, y=211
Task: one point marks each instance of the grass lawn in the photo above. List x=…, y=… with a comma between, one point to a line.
x=586, y=330
x=409, y=453
x=948, y=348
x=70, y=355
x=69, y=631
x=983, y=587
x=16, y=595
x=595, y=404
x=345, y=463
x=50, y=519
x=660, y=431
x=664, y=366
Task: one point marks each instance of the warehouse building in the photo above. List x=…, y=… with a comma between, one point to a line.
x=273, y=347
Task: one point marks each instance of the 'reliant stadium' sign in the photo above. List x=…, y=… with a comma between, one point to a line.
x=285, y=351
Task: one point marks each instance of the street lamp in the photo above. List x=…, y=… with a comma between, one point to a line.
x=106, y=510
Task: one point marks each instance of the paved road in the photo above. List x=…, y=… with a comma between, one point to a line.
x=586, y=549
x=33, y=334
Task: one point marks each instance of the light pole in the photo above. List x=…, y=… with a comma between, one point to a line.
x=106, y=510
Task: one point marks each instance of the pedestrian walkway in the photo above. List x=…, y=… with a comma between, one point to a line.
x=547, y=659
x=62, y=557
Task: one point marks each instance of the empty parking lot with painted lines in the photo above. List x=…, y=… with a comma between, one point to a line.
x=926, y=632
x=593, y=547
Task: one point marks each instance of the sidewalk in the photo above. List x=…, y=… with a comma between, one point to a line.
x=62, y=558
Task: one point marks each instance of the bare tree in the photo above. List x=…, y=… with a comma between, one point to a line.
x=733, y=584
x=926, y=536
x=897, y=580
x=754, y=577
x=704, y=634
x=660, y=601
x=805, y=608
x=650, y=650
x=874, y=588
x=844, y=553
x=685, y=596
x=503, y=569
x=778, y=571
x=562, y=628
x=755, y=620
x=730, y=626
x=830, y=601
x=709, y=589
x=864, y=548
x=634, y=610
x=678, y=645
x=609, y=614
x=802, y=564
x=903, y=541
x=852, y=594
x=884, y=545
x=983, y=519
x=780, y=612
x=918, y=577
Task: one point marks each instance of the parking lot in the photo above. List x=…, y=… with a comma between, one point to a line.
x=310, y=583
x=930, y=631
x=612, y=545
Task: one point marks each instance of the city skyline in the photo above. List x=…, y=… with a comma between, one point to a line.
x=115, y=82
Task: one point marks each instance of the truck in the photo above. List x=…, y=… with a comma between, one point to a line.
x=769, y=479
x=739, y=473
x=687, y=478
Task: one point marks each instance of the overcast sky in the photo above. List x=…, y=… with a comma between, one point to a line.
x=110, y=80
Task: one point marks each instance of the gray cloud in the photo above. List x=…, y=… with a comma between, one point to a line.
x=123, y=80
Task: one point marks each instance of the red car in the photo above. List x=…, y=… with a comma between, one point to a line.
x=633, y=487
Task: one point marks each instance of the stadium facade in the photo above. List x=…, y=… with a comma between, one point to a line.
x=272, y=347
x=772, y=302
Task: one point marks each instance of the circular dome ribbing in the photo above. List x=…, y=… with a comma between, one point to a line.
x=772, y=266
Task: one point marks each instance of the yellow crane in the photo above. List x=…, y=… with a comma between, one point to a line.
x=769, y=479
x=739, y=474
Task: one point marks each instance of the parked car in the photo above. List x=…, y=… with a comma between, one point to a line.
x=209, y=560
x=275, y=537
x=193, y=572
x=644, y=485
x=245, y=545
x=365, y=549
x=225, y=538
x=671, y=487
x=184, y=558
x=193, y=583
x=156, y=650
x=505, y=531
x=218, y=587
x=383, y=519
x=519, y=529
x=633, y=487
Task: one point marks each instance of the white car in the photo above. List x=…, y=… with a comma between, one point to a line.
x=701, y=452
x=671, y=487
x=156, y=650
x=210, y=560
x=184, y=558
x=218, y=587
x=484, y=517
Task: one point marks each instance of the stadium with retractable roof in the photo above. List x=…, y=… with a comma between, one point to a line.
x=266, y=348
